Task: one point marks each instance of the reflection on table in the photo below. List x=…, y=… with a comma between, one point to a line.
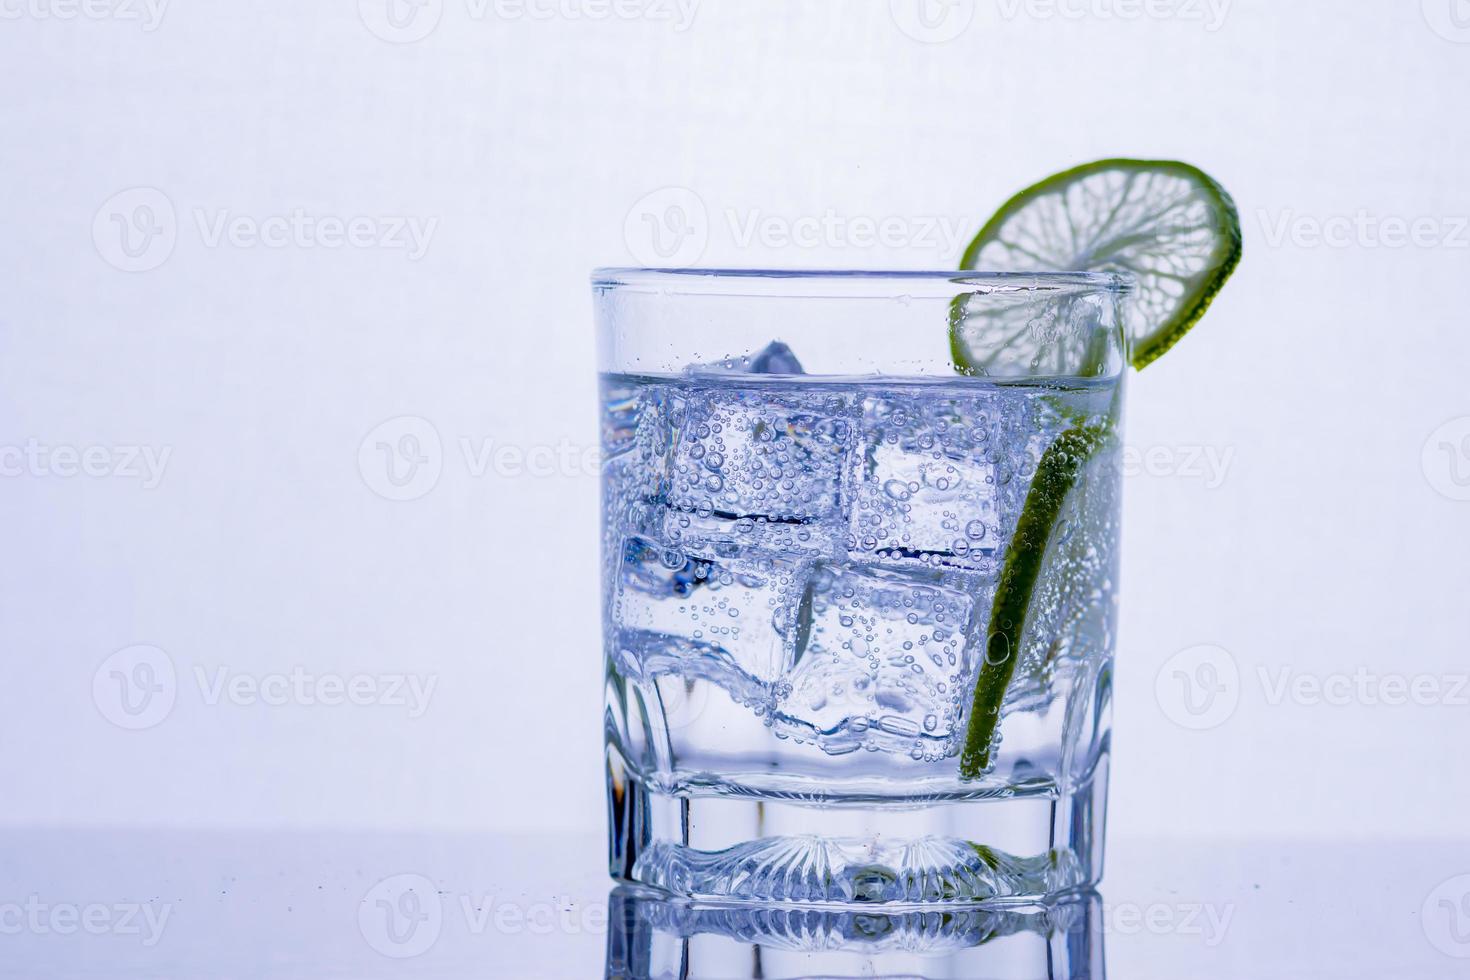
x=651, y=937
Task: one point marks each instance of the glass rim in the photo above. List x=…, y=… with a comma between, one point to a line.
x=852, y=283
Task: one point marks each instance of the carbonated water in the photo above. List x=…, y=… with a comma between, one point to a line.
x=799, y=575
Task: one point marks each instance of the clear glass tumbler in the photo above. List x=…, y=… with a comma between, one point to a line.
x=860, y=574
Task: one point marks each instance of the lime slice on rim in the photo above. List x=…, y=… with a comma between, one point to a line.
x=1176, y=231
x=1169, y=225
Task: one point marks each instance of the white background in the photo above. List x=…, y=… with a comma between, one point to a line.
x=525, y=147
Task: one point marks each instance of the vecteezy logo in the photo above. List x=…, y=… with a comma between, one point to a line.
x=135, y=688
x=932, y=21
x=401, y=459
x=1199, y=688
x=1446, y=917
x=1450, y=19
x=668, y=228
x=135, y=230
x=401, y=916
x=1446, y=459
x=401, y=21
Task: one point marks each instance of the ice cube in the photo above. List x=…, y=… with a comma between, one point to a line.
x=924, y=486
x=758, y=453
x=774, y=358
x=881, y=661
x=726, y=619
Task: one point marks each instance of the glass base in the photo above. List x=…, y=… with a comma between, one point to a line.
x=728, y=849
x=650, y=937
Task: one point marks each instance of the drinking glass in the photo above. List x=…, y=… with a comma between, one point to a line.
x=860, y=541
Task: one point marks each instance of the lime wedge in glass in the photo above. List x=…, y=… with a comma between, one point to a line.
x=1176, y=231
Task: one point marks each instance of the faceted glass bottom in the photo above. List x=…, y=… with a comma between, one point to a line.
x=734, y=849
